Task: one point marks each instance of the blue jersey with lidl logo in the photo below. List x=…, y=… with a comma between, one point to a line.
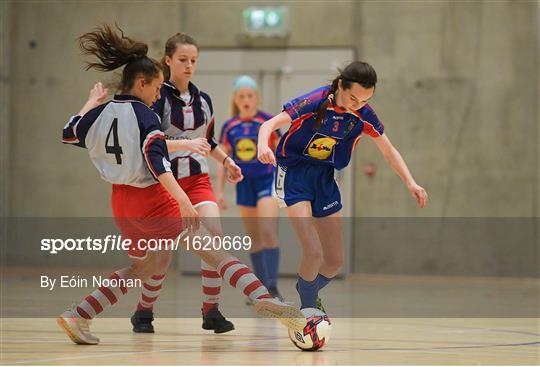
x=240, y=136
x=333, y=143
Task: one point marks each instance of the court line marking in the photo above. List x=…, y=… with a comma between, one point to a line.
x=194, y=349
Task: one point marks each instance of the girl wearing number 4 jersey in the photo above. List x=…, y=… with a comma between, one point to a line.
x=325, y=126
x=127, y=146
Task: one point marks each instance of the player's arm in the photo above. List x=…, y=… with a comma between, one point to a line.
x=234, y=172
x=396, y=161
x=155, y=152
x=98, y=95
x=198, y=145
x=265, y=153
x=75, y=130
x=210, y=137
x=220, y=181
x=190, y=217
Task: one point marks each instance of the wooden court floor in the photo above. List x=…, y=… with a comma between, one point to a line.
x=355, y=340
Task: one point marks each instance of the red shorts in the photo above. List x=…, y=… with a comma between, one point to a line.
x=144, y=214
x=198, y=188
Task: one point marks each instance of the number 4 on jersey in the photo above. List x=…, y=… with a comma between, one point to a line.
x=115, y=149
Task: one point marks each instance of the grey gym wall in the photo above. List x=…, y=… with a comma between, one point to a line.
x=458, y=94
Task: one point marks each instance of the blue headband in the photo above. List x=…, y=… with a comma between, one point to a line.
x=244, y=81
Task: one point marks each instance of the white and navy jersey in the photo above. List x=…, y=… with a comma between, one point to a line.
x=124, y=140
x=186, y=120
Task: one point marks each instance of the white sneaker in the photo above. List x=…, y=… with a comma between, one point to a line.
x=77, y=328
x=288, y=315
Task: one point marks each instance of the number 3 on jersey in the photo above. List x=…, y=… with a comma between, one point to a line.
x=115, y=149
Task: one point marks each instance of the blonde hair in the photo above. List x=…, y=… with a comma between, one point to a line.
x=234, y=110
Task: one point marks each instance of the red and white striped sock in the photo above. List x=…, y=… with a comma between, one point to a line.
x=239, y=276
x=211, y=287
x=102, y=297
x=150, y=292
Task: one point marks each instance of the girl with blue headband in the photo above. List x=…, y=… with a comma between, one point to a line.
x=254, y=193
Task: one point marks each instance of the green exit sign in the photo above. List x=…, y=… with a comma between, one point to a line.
x=265, y=21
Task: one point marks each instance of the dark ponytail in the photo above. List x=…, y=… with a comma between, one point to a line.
x=115, y=50
x=356, y=72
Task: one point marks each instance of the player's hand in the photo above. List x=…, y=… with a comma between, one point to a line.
x=221, y=200
x=190, y=217
x=200, y=146
x=234, y=173
x=419, y=193
x=98, y=94
x=265, y=154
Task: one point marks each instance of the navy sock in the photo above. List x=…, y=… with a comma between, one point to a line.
x=272, y=265
x=258, y=259
x=308, y=292
x=322, y=281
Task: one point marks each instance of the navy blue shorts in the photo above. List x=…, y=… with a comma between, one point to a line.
x=308, y=182
x=251, y=189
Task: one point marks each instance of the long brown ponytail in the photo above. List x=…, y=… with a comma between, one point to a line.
x=115, y=50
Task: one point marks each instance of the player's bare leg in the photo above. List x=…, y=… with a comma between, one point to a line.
x=309, y=278
x=240, y=276
x=330, y=231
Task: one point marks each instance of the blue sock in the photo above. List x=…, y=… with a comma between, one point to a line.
x=272, y=265
x=308, y=292
x=258, y=259
x=322, y=281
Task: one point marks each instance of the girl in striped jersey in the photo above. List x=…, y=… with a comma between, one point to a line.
x=254, y=193
x=128, y=148
x=187, y=119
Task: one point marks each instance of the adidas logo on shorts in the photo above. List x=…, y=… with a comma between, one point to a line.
x=331, y=205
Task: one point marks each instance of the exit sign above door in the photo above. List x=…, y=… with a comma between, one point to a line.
x=269, y=21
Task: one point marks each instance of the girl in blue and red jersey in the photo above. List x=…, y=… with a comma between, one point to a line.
x=258, y=208
x=128, y=148
x=325, y=126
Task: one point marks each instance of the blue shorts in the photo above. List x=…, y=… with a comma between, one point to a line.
x=251, y=189
x=308, y=182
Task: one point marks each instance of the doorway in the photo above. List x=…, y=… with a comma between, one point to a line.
x=281, y=74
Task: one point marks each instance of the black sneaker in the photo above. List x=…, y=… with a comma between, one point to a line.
x=214, y=320
x=275, y=293
x=142, y=321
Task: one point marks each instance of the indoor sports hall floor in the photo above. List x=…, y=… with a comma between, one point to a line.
x=360, y=340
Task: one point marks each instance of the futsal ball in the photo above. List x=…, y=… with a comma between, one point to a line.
x=316, y=331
